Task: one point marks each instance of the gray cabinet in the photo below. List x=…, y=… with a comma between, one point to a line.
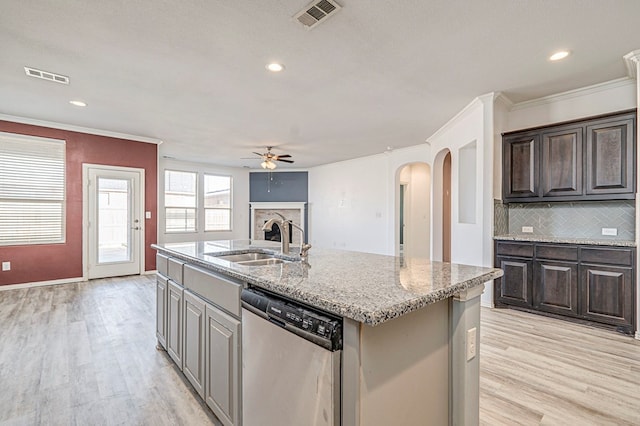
x=589, y=159
x=161, y=310
x=194, y=341
x=174, y=322
x=223, y=368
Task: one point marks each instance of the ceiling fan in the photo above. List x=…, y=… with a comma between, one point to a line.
x=269, y=159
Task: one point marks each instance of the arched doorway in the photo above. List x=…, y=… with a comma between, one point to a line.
x=441, y=225
x=413, y=186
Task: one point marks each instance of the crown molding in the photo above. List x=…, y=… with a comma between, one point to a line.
x=79, y=129
x=631, y=60
x=471, y=106
x=575, y=93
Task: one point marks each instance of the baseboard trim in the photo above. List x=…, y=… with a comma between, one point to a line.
x=151, y=272
x=638, y=335
x=41, y=283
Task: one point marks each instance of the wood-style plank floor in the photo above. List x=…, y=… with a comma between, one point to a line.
x=536, y=370
x=85, y=354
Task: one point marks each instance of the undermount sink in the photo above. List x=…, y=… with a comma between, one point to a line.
x=252, y=259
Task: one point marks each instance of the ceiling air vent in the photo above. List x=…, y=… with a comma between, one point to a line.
x=317, y=12
x=46, y=75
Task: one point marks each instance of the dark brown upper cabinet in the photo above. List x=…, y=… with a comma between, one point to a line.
x=521, y=165
x=590, y=159
x=562, y=160
x=610, y=156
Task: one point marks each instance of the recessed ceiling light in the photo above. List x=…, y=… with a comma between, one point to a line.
x=78, y=103
x=275, y=67
x=559, y=55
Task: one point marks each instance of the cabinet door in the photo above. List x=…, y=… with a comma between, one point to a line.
x=161, y=310
x=515, y=285
x=562, y=162
x=222, y=371
x=194, y=341
x=174, y=323
x=521, y=166
x=610, y=157
x=608, y=295
x=556, y=287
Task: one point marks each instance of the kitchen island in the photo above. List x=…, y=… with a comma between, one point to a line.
x=410, y=326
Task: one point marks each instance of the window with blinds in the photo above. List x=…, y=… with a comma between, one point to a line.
x=217, y=203
x=180, y=201
x=32, y=190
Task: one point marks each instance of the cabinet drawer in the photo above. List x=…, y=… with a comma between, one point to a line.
x=514, y=249
x=162, y=264
x=609, y=256
x=175, y=270
x=217, y=289
x=557, y=252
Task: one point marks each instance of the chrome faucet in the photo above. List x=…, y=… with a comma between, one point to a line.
x=283, y=223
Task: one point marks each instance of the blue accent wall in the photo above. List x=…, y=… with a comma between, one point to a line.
x=279, y=187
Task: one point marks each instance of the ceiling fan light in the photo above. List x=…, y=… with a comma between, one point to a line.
x=268, y=164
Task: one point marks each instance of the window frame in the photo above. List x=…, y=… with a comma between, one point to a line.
x=22, y=138
x=230, y=208
x=195, y=208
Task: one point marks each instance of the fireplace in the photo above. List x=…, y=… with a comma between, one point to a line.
x=263, y=211
x=274, y=234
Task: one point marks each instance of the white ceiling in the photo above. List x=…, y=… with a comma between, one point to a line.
x=376, y=74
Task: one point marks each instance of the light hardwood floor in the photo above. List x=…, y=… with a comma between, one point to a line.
x=537, y=370
x=86, y=354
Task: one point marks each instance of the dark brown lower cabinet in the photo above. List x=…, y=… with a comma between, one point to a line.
x=515, y=286
x=588, y=283
x=607, y=294
x=556, y=287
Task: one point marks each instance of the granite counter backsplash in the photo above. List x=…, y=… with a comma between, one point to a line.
x=368, y=288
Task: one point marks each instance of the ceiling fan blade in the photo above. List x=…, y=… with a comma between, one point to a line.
x=283, y=156
x=285, y=161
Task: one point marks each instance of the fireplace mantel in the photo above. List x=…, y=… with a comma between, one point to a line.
x=296, y=210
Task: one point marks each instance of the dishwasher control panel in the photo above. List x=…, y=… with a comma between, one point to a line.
x=316, y=326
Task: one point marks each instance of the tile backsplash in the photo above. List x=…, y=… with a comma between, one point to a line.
x=571, y=220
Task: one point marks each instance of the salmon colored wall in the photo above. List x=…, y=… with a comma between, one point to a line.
x=45, y=262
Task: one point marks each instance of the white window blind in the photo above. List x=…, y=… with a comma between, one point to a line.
x=32, y=190
x=217, y=203
x=180, y=201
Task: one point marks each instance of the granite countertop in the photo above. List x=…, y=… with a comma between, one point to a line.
x=368, y=288
x=565, y=240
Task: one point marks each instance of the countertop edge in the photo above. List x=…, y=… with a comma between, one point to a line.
x=563, y=240
x=352, y=312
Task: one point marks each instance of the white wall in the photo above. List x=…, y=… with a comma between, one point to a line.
x=417, y=236
x=471, y=243
x=353, y=204
x=240, y=202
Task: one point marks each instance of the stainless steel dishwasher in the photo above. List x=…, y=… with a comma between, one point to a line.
x=290, y=362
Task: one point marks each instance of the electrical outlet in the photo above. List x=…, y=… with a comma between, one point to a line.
x=610, y=231
x=471, y=344
x=6, y=266
x=527, y=229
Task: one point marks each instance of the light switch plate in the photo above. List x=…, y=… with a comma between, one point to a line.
x=527, y=229
x=6, y=266
x=610, y=231
x=147, y=215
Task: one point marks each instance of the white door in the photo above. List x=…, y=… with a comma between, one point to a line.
x=113, y=221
